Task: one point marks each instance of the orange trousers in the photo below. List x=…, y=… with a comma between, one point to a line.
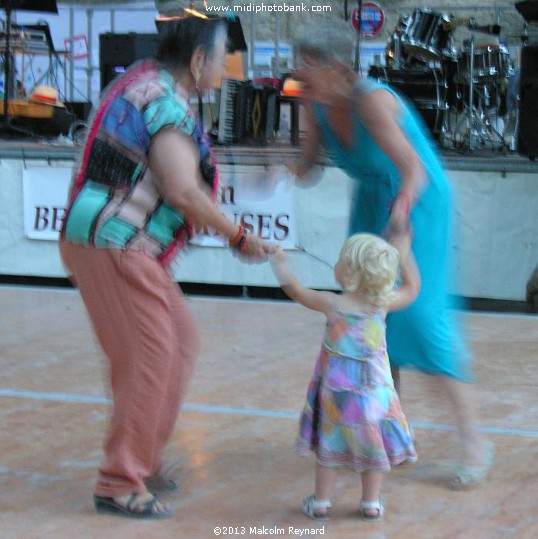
x=142, y=322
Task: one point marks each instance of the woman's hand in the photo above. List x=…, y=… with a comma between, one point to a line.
x=254, y=250
x=399, y=215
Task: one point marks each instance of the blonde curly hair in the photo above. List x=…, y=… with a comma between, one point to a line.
x=371, y=267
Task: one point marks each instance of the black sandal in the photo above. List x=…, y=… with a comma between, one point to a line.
x=145, y=510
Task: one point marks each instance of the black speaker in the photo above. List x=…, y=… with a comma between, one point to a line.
x=119, y=51
x=528, y=9
x=527, y=141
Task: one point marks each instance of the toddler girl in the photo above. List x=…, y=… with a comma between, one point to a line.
x=352, y=415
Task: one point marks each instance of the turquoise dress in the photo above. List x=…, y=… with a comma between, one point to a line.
x=352, y=416
x=425, y=336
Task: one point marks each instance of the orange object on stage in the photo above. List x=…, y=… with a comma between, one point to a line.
x=21, y=107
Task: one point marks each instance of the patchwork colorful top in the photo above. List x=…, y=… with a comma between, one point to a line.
x=115, y=201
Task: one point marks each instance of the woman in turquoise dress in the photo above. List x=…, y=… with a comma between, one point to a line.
x=376, y=137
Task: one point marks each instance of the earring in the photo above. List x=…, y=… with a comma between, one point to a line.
x=197, y=77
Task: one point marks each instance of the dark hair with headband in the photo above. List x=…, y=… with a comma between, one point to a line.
x=179, y=38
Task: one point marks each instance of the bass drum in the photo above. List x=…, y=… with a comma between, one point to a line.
x=426, y=89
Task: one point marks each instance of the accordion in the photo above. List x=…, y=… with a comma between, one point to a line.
x=247, y=113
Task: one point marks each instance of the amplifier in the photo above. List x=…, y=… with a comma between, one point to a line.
x=119, y=51
x=528, y=9
x=24, y=41
x=528, y=103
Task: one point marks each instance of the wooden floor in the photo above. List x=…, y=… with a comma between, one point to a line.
x=232, y=446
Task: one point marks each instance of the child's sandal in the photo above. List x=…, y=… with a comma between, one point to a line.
x=311, y=506
x=371, y=505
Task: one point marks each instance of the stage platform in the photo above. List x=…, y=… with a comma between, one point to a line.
x=478, y=160
x=231, y=451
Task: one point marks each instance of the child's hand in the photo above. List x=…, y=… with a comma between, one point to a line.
x=277, y=257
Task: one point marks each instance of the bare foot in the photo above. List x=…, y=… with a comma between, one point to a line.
x=139, y=503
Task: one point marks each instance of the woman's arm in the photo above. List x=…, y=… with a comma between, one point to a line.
x=410, y=283
x=311, y=299
x=379, y=110
x=173, y=157
x=310, y=145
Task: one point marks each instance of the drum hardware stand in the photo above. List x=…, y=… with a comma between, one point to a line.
x=398, y=52
x=514, y=141
x=478, y=125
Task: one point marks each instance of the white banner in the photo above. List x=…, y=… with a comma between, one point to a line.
x=45, y=194
x=260, y=198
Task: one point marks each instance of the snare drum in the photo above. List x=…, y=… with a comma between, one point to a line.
x=426, y=35
x=489, y=61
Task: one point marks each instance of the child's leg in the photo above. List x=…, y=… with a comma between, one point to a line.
x=325, y=479
x=371, y=489
x=395, y=372
x=317, y=505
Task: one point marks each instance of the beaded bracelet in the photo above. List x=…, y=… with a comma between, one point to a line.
x=238, y=238
x=243, y=242
x=402, y=195
x=240, y=241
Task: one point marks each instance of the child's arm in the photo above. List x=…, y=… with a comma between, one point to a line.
x=410, y=285
x=311, y=299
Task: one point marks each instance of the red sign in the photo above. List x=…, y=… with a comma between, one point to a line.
x=372, y=19
x=80, y=46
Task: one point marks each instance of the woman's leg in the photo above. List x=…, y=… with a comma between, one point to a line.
x=462, y=397
x=187, y=345
x=126, y=295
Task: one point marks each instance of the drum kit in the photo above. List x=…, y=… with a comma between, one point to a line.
x=461, y=94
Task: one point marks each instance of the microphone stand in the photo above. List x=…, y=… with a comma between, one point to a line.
x=7, y=63
x=470, y=110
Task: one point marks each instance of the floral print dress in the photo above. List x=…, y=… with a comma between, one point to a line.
x=352, y=416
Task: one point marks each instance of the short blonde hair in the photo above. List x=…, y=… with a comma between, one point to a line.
x=328, y=41
x=370, y=267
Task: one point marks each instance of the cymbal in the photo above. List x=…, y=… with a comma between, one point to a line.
x=450, y=25
x=491, y=29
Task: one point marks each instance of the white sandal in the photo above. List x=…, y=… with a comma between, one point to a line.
x=371, y=505
x=311, y=505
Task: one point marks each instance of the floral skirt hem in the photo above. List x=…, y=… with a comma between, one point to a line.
x=358, y=463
